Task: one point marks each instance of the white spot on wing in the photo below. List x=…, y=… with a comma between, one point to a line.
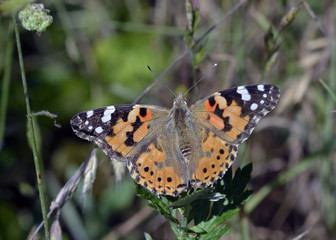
x=106, y=118
x=89, y=113
x=86, y=122
x=99, y=130
x=245, y=94
x=265, y=95
x=254, y=106
x=109, y=110
x=108, y=114
x=261, y=87
x=262, y=101
x=90, y=127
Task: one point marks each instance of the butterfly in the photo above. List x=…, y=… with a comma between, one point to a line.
x=169, y=150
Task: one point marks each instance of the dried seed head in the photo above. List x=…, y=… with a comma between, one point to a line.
x=90, y=173
x=56, y=231
x=119, y=169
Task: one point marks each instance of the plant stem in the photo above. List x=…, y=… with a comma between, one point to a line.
x=244, y=228
x=31, y=130
x=5, y=82
x=184, y=221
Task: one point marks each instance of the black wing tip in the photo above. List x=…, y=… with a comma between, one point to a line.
x=75, y=121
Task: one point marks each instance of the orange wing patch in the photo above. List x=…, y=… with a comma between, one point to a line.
x=144, y=114
x=217, y=158
x=234, y=119
x=141, y=132
x=117, y=142
x=127, y=134
x=150, y=170
x=216, y=121
x=228, y=119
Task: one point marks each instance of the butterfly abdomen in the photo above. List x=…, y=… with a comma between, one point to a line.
x=181, y=115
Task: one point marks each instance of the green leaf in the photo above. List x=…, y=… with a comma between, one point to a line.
x=329, y=90
x=270, y=42
x=241, y=179
x=202, y=194
x=234, y=189
x=147, y=236
x=210, y=225
x=270, y=62
x=203, y=226
x=199, y=211
x=160, y=204
x=216, y=234
x=198, y=55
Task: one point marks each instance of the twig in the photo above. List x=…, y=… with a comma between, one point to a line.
x=47, y=114
x=315, y=18
x=235, y=8
x=31, y=128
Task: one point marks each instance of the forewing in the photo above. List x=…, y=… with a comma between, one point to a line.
x=233, y=114
x=224, y=120
x=119, y=130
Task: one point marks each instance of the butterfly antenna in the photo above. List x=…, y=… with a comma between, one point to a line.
x=161, y=81
x=205, y=75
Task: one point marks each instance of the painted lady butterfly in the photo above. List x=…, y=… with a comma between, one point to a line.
x=168, y=150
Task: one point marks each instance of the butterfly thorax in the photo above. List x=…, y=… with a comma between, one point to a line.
x=180, y=115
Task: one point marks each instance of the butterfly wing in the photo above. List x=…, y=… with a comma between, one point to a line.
x=160, y=166
x=213, y=156
x=117, y=130
x=225, y=120
x=140, y=136
x=234, y=113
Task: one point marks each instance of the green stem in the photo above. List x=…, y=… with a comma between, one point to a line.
x=174, y=226
x=244, y=228
x=31, y=130
x=5, y=82
x=184, y=221
x=194, y=78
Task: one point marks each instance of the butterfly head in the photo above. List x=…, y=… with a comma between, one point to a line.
x=180, y=101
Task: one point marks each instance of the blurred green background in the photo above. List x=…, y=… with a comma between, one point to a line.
x=96, y=53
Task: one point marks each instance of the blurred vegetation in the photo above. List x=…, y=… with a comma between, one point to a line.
x=95, y=54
